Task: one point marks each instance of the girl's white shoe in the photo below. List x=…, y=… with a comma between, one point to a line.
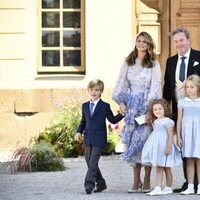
x=198, y=191
x=167, y=190
x=188, y=191
x=155, y=191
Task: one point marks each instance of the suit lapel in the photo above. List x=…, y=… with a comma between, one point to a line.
x=190, y=63
x=88, y=108
x=173, y=71
x=97, y=107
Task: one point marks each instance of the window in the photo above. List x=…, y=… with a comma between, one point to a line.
x=61, y=36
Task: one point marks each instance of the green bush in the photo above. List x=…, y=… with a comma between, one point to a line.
x=38, y=157
x=112, y=140
x=44, y=158
x=61, y=132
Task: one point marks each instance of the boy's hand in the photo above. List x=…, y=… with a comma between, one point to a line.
x=78, y=137
x=122, y=109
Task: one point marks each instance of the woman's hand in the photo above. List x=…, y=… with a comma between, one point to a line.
x=122, y=108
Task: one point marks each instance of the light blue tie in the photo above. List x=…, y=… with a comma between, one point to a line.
x=91, y=108
x=182, y=69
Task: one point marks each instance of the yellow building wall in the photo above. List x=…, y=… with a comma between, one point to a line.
x=26, y=98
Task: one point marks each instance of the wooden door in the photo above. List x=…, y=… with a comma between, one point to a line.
x=186, y=13
x=152, y=16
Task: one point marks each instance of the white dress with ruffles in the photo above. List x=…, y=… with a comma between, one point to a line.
x=190, y=131
x=153, y=152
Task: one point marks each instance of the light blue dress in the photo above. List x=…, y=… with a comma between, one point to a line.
x=136, y=87
x=153, y=152
x=190, y=131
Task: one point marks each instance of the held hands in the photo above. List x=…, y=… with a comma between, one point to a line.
x=78, y=137
x=122, y=109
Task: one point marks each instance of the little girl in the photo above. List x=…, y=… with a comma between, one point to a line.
x=188, y=130
x=160, y=150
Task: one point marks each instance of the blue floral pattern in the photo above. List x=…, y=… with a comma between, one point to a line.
x=141, y=85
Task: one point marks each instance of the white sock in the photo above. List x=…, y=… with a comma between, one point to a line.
x=191, y=186
x=167, y=188
x=158, y=187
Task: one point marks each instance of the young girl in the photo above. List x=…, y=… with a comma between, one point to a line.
x=160, y=150
x=188, y=130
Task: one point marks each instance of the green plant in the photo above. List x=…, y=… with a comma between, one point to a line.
x=38, y=157
x=112, y=141
x=61, y=132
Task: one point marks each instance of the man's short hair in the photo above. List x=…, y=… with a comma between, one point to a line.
x=181, y=30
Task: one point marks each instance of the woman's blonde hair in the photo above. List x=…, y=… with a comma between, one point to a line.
x=196, y=80
x=150, y=54
x=150, y=117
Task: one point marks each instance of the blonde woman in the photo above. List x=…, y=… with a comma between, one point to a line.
x=139, y=81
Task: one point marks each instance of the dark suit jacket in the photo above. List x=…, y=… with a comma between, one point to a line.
x=94, y=127
x=170, y=74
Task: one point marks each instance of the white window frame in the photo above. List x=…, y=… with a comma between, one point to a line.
x=61, y=68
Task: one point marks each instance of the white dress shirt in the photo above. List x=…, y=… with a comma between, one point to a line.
x=179, y=90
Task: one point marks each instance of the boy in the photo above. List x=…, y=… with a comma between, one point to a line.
x=93, y=124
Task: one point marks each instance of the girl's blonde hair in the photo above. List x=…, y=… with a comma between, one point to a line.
x=196, y=80
x=150, y=117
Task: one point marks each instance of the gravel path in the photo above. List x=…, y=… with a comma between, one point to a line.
x=68, y=185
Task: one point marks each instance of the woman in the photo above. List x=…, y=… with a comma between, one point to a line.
x=138, y=83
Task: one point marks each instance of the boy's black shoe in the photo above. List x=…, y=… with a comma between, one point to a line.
x=88, y=190
x=183, y=188
x=100, y=189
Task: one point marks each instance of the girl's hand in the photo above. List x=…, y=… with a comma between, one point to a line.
x=168, y=150
x=179, y=142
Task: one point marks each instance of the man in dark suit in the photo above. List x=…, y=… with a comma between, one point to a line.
x=93, y=124
x=178, y=68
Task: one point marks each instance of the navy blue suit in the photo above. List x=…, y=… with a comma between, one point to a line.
x=95, y=138
x=94, y=127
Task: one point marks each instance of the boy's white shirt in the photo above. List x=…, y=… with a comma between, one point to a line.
x=141, y=119
x=95, y=103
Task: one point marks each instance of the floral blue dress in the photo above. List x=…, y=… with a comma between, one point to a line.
x=135, y=87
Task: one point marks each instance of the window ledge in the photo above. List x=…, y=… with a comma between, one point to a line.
x=59, y=76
